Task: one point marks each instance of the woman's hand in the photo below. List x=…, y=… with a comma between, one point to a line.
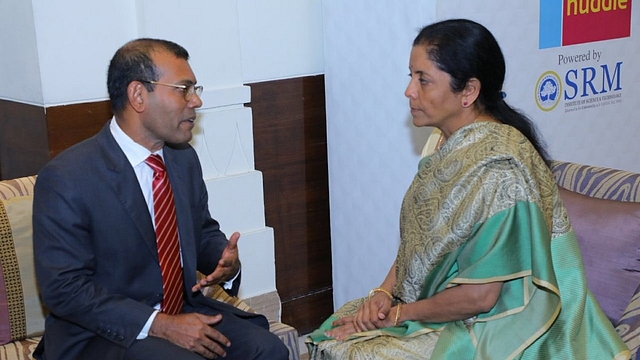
x=373, y=313
x=343, y=328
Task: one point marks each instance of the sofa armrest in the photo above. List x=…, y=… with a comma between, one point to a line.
x=598, y=182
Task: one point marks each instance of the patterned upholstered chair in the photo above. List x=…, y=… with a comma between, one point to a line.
x=21, y=312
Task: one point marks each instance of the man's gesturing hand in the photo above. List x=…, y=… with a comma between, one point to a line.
x=227, y=268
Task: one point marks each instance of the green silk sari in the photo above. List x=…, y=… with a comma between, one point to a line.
x=486, y=208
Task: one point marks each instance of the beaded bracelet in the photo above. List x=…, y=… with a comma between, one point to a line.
x=374, y=291
x=398, y=310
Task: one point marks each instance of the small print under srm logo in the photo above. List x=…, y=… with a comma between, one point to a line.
x=548, y=90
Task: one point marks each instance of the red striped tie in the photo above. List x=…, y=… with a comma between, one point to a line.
x=167, y=237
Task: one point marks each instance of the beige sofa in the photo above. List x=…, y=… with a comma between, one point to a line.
x=21, y=312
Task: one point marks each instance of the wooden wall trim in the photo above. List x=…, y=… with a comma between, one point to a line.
x=24, y=147
x=289, y=123
x=32, y=135
x=70, y=124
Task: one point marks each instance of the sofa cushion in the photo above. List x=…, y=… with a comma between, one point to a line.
x=17, y=187
x=608, y=234
x=21, y=313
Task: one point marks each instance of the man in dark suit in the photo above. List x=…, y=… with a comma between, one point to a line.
x=94, y=231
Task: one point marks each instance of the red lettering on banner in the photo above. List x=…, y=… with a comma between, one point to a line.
x=595, y=20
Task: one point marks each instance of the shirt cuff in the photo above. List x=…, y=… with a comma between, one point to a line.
x=229, y=284
x=145, y=330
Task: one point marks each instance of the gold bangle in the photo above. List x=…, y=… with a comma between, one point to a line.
x=398, y=310
x=374, y=291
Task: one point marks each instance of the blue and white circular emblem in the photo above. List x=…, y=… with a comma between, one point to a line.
x=548, y=90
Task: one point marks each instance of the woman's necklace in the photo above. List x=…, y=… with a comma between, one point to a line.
x=440, y=141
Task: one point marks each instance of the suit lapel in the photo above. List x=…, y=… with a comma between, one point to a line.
x=125, y=186
x=179, y=185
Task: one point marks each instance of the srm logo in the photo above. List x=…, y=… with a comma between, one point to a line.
x=578, y=83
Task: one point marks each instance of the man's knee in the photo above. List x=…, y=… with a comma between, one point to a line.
x=260, y=345
x=274, y=349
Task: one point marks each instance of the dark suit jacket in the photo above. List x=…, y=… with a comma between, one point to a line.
x=95, y=248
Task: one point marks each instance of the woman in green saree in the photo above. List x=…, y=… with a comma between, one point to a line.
x=488, y=265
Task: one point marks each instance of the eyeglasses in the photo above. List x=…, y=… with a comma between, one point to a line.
x=188, y=90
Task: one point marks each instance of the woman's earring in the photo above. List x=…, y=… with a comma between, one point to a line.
x=465, y=104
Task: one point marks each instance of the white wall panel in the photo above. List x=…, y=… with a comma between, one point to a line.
x=207, y=29
x=258, y=267
x=76, y=40
x=280, y=39
x=373, y=148
x=19, y=66
x=224, y=142
x=237, y=202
